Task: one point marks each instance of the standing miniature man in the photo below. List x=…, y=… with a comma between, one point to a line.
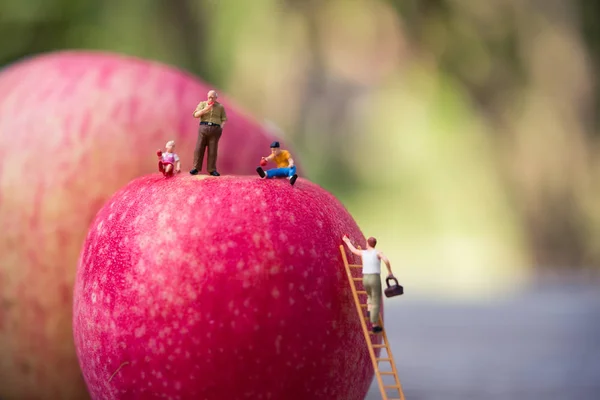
x=371, y=260
x=212, y=121
x=284, y=161
x=168, y=160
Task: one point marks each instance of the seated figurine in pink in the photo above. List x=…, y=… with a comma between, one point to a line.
x=168, y=160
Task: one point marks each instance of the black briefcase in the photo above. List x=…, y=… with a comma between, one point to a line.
x=393, y=290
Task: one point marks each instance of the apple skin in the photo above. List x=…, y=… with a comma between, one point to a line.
x=74, y=127
x=219, y=288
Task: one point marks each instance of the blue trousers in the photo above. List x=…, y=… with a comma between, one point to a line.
x=281, y=172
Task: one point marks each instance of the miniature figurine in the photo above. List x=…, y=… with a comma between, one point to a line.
x=284, y=161
x=168, y=160
x=371, y=261
x=212, y=121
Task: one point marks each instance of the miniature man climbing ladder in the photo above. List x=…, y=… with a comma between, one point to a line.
x=371, y=260
x=371, y=291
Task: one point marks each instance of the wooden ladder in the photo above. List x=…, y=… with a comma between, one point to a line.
x=368, y=335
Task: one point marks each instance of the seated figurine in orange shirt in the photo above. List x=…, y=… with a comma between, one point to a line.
x=285, y=165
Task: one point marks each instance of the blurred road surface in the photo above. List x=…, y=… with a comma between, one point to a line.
x=540, y=344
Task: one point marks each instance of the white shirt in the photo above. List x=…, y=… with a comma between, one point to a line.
x=371, y=262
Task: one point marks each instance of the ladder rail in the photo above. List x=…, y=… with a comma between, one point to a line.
x=388, y=349
x=375, y=361
x=363, y=323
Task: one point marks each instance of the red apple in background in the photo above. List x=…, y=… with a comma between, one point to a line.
x=219, y=288
x=75, y=127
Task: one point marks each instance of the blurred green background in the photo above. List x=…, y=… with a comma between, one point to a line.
x=461, y=134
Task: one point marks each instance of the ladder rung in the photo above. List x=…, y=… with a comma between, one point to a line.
x=357, y=279
x=361, y=292
x=383, y=359
x=379, y=346
x=355, y=266
x=364, y=305
x=392, y=387
x=386, y=373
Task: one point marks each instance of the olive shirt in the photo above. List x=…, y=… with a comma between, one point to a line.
x=216, y=115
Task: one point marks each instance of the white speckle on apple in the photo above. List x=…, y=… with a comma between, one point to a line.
x=195, y=232
x=256, y=239
x=140, y=331
x=184, y=219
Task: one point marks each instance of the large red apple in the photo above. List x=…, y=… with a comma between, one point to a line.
x=75, y=127
x=219, y=288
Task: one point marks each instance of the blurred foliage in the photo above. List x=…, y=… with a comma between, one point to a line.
x=463, y=134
